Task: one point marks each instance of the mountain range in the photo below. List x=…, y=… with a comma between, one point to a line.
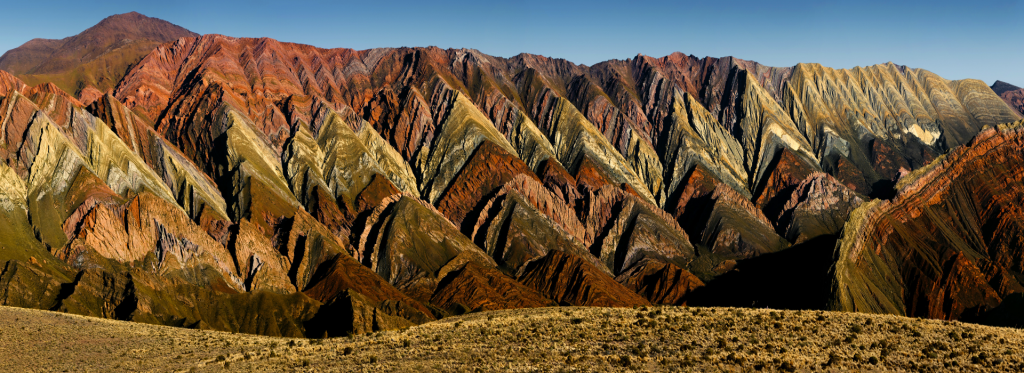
x=257, y=186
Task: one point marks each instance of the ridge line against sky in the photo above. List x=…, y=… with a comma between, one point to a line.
x=954, y=39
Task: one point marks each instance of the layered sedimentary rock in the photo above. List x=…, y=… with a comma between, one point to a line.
x=728, y=225
x=252, y=185
x=412, y=246
x=818, y=206
x=948, y=245
x=475, y=288
x=569, y=280
x=858, y=115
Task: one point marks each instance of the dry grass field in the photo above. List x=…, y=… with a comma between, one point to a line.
x=532, y=340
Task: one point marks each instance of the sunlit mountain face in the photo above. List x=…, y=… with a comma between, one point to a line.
x=256, y=186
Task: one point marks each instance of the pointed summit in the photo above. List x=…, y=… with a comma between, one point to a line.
x=1000, y=86
x=98, y=56
x=1011, y=94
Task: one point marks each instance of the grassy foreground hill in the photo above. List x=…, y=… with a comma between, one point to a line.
x=527, y=340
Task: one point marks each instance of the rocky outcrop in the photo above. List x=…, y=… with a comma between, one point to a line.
x=913, y=111
x=489, y=168
x=360, y=301
x=659, y=282
x=523, y=221
x=412, y=246
x=462, y=128
x=474, y=288
x=728, y=225
x=569, y=280
x=947, y=245
x=818, y=206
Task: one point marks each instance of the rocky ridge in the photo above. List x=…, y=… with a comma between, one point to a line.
x=350, y=191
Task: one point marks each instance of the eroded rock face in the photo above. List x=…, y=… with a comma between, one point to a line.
x=412, y=246
x=488, y=169
x=947, y=245
x=659, y=282
x=475, y=288
x=729, y=226
x=354, y=191
x=819, y=206
x=568, y=279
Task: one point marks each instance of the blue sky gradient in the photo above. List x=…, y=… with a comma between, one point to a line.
x=978, y=39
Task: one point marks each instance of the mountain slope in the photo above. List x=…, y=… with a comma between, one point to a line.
x=948, y=246
x=342, y=191
x=98, y=57
x=1013, y=95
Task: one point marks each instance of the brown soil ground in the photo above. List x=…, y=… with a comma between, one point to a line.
x=532, y=340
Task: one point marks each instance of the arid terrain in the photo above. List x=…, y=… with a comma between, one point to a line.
x=576, y=339
x=435, y=203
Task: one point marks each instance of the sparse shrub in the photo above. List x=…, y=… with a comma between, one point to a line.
x=856, y=329
x=832, y=359
x=787, y=366
x=406, y=343
x=576, y=320
x=305, y=362
x=873, y=360
x=373, y=359
x=347, y=350
x=625, y=360
x=736, y=359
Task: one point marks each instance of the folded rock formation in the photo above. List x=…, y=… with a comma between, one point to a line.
x=264, y=187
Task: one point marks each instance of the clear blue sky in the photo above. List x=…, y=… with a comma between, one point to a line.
x=957, y=39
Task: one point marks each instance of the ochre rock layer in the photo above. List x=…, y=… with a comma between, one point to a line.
x=251, y=185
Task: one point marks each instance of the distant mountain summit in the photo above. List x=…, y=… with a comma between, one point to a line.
x=999, y=87
x=1013, y=95
x=98, y=57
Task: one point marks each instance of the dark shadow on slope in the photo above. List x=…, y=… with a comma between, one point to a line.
x=795, y=278
x=883, y=189
x=1009, y=313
